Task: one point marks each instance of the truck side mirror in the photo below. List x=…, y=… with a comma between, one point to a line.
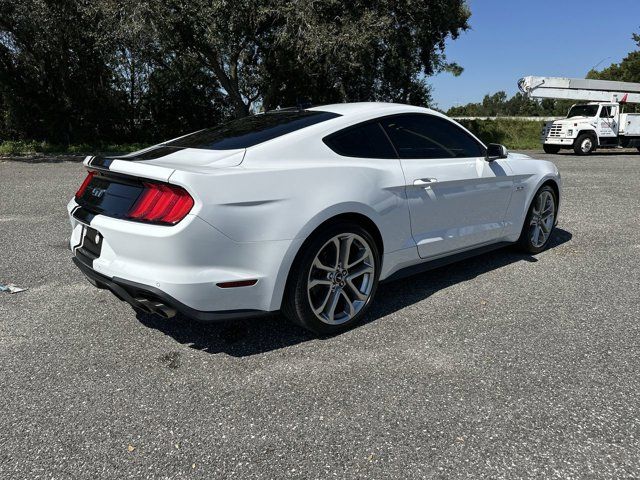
x=496, y=151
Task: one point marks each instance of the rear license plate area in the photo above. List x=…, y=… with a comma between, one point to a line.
x=90, y=246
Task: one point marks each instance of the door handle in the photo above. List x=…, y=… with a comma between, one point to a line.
x=425, y=182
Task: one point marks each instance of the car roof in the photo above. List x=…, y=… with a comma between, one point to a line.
x=374, y=108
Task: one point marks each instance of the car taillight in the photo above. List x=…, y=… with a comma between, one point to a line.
x=161, y=203
x=85, y=184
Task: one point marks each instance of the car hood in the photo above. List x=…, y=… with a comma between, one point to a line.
x=518, y=156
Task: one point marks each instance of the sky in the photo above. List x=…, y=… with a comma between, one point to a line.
x=510, y=39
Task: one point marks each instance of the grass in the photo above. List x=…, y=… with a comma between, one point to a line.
x=514, y=134
x=13, y=148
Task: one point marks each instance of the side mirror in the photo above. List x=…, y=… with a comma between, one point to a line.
x=496, y=151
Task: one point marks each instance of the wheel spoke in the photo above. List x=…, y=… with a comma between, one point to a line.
x=352, y=309
x=360, y=271
x=318, y=281
x=536, y=206
x=333, y=303
x=536, y=235
x=323, y=305
x=336, y=243
x=356, y=292
x=361, y=258
x=545, y=227
x=345, y=248
x=320, y=266
x=544, y=237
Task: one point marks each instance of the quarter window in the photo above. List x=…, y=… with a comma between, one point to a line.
x=364, y=141
x=426, y=136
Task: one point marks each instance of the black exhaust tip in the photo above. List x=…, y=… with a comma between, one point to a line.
x=155, y=307
x=145, y=305
x=164, y=311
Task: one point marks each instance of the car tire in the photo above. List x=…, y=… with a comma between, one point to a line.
x=584, y=144
x=540, y=221
x=551, y=149
x=333, y=280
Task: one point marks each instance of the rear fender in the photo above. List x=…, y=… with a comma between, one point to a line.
x=306, y=231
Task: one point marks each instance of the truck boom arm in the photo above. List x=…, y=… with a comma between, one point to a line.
x=580, y=89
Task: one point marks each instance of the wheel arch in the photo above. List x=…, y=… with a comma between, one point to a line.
x=553, y=183
x=591, y=133
x=308, y=233
x=556, y=189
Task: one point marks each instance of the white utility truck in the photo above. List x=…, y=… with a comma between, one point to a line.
x=600, y=123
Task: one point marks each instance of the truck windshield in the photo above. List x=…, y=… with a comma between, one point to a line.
x=583, y=111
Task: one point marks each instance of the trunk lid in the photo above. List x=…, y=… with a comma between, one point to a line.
x=188, y=159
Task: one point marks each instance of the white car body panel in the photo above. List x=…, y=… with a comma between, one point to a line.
x=255, y=207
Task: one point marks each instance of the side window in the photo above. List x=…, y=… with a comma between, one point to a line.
x=363, y=141
x=426, y=136
x=605, y=112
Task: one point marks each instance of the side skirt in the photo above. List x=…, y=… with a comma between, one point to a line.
x=442, y=261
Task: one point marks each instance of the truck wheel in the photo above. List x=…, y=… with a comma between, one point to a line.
x=552, y=149
x=584, y=144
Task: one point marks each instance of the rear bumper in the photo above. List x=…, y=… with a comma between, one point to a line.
x=184, y=264
x=132, y=292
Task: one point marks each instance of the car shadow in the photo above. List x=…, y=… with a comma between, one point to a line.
x=241, y=338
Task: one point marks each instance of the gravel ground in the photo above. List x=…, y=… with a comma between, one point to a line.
x=504, y=366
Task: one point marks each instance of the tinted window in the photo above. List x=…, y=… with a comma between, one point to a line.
x=252, y=130
x=364, y=141
x=425, y=136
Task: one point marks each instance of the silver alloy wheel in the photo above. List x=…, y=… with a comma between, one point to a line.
x=341, y=278
x=587, y=145
x=542, y=219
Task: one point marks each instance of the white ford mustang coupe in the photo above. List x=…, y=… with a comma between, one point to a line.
x=303, y=211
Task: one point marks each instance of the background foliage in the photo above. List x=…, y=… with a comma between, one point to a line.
x=514, y=134
x=96, y=71
x=90, y=75
x=628, y=70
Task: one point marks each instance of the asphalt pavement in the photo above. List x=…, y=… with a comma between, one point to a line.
x=503, y=366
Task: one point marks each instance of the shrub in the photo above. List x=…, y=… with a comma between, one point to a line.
x=514, y=134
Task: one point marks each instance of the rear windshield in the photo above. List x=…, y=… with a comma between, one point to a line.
x=248, y=131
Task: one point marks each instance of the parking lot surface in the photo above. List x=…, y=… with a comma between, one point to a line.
x=503, y=366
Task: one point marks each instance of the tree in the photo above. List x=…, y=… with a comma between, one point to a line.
x=269, y=52
x=517, y=106
x=116, y=70
x=53, y=78
x=628, y=70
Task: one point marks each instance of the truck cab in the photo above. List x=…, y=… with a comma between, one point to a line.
x=586, y=127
